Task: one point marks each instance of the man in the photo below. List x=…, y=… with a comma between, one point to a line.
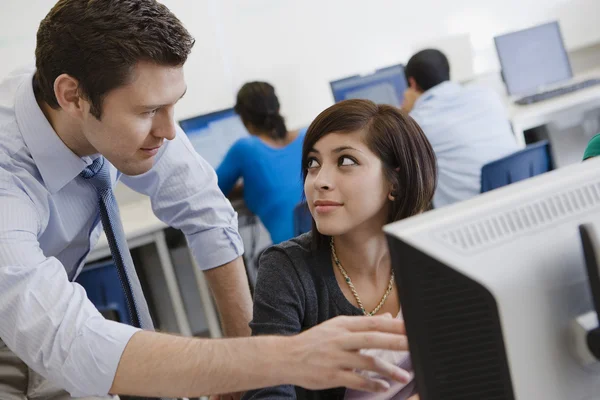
x=467, y=126
x=98, y=108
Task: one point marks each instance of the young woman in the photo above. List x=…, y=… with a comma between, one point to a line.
x=364, y=165
x=268, y=161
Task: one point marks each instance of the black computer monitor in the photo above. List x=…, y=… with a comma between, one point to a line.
x=384, y=86
x=533, y=58
x=213, y=134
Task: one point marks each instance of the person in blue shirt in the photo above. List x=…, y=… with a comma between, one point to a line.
x=467, y=126
x=268, y=161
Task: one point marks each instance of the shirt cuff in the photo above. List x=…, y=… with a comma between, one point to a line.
x=94, y=357
x=215, y=247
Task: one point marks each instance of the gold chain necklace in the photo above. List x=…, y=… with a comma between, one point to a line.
x=353, y=289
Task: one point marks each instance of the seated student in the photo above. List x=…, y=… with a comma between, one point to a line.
x=593, y=148
x=268, y=161
x=467, y=126
x=364, y=165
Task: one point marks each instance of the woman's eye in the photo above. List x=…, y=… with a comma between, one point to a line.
x=346, y=161
x=151, y=113
x=312, y=163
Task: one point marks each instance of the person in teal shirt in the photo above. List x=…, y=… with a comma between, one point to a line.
x=268, y=161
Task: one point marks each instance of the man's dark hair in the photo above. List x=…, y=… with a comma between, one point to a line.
x=99, y=42
x=429, y=68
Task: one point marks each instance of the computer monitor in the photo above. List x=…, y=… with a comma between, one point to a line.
x=384, y=86
x=533, y=58
x=490, y=290
x=213, y=134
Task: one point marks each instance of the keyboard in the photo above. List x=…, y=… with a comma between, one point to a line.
x=550, y=94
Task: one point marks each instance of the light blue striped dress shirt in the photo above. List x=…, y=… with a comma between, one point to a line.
x=48, y=225
x=467, y=127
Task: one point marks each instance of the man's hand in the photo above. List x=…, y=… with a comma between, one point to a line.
x=327, y=355
x=410, y=97
x=159, y=365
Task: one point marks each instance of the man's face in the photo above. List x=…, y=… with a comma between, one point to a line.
x=137, y=118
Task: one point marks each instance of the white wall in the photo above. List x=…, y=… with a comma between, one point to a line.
x=300, y=46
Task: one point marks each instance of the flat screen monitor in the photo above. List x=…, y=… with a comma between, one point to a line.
x=533, y=58
x=384, y=86
x=492, y=288
x=213, y=134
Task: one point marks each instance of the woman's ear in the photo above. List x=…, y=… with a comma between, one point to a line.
x=393, y=193
x=394, y=188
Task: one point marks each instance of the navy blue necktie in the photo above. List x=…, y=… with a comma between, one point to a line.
x=98, y=174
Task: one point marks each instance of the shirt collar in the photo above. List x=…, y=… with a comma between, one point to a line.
x=57, y=164
x=442, y=89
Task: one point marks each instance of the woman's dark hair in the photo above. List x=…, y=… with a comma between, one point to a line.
x=258, y=105
x=408, y=160
x=428, y=68
x=100, y=42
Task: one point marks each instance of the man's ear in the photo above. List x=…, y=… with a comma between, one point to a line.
x=412, y=83
x=68, y=95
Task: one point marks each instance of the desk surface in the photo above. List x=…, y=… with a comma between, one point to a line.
x=533, y=115
x=528, y=116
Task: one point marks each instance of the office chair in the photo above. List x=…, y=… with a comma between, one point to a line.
x=533, y=160
x=302, y=219
x=103, y=287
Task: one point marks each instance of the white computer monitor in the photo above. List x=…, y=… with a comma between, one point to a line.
x=492, y=288
x=213, y=134
x=384, y=86
x=532, y=59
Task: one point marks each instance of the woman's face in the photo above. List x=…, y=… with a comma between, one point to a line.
x=345, y=185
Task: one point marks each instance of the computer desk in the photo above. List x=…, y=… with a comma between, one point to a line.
x=544, y=112
x=143, y=228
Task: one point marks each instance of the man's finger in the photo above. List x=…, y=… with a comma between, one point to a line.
x=374, y=340
x=380, y=323
x=377, y=365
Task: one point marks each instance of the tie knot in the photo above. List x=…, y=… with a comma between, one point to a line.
x=98, y=174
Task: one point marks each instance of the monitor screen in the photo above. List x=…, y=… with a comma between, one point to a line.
x=384, y=86
x=533, y=58
x=493, y=290
x=213, y=134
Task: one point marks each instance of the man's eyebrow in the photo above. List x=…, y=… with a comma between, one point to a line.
x=153, y=106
